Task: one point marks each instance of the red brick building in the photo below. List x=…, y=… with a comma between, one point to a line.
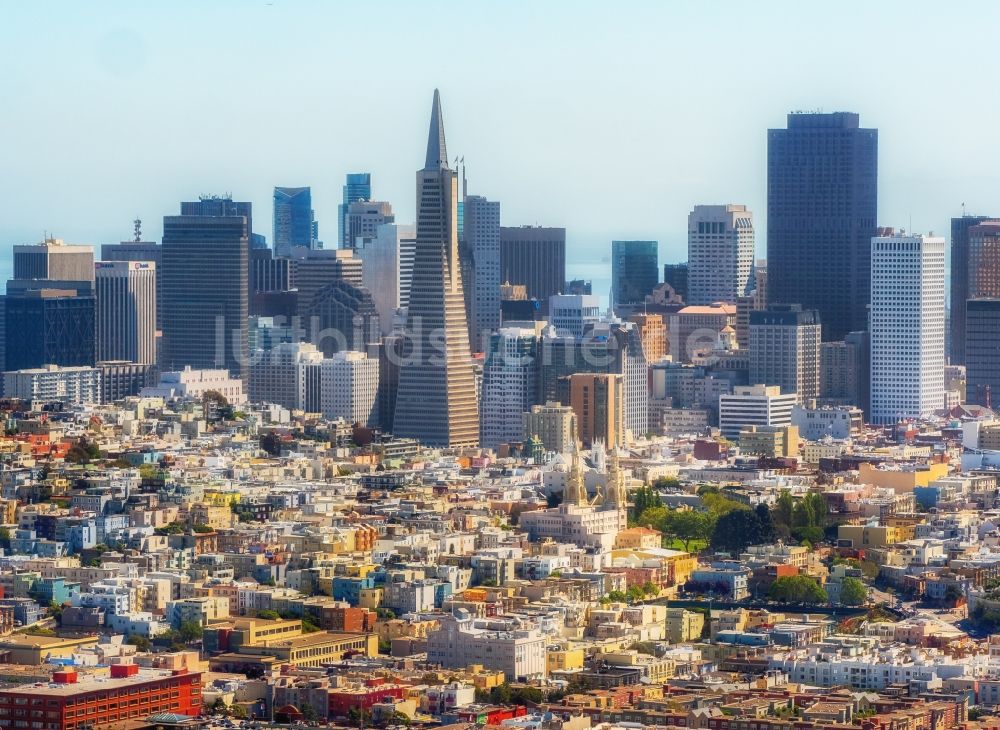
x=69, y=703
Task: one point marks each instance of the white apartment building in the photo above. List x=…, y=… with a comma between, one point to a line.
x=190, y=383
x=509, y=385
x=349, y=387
x=754, y=405
x=720, y=253
x=907, y=317
x=503, y=645
x=52, y=383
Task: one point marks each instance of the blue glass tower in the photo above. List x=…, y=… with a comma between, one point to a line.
x=293, y=220
x=357, y=186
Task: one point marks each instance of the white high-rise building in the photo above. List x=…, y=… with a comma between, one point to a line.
x=287, y=375
x=126, y=310
x=52, y=383
x=754, y=405
x=509, y=385
x=349, y=387
x=387, y=269
x=571, y=313
x=720, y=253
x=482, y=234
x=907, y=327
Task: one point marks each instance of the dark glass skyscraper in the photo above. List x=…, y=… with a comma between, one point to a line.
x=358, y=186
x=50, y=327
x=535, y=257
x=436, y=400
x=635, y=270
x=294, y=223
x=960, y=282
x=822, y=201
x=205, y=285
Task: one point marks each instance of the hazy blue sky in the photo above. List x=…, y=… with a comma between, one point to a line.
x=610, y=118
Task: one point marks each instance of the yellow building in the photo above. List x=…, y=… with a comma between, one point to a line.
x=874, y=536
x=35, y=650
x=655, y=670
x=638, y=538
x=561, y=658
x=683, y=625
x=218, y=517
x=774, y=442
x=901, y=478
x=306, y=650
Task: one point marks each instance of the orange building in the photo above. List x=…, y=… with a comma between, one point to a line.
x=653, y=334
x=598, y=400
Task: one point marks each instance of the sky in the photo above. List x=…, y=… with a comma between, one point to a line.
x=611, y=119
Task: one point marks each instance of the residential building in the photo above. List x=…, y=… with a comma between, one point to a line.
x=720, y=253
x=288, y=375
x=54, y=384
x=126, y=310
x=553, y=423
x=349, y=387
x=122, y=378
x=907, y=327
x=772, y=442
x=494, y=644
x=785, y=349
x=819, y=232
x=205, y=285
x=754, y=405
x=437, y=400
x=635, y=270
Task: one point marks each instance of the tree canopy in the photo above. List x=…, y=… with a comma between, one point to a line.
x=797, y=589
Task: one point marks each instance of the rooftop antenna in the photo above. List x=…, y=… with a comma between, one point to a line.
x=963, y=210
x=137, y=230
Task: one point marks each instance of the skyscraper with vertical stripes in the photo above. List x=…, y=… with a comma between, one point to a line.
x=436, y=400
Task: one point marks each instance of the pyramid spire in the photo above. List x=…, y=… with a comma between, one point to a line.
x=437, y=151
x=576, y=490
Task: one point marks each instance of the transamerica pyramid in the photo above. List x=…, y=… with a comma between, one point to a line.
x=436, y=399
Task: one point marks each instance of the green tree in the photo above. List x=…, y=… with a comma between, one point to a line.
x=617, y=597
x=797, y=589
x=852, y=592
x=782, y=513
x=665, y=483
x=650, y=588
x=644, y=498
x=269, y=614
x=634, y=593
x=139, y=642
x=190, y=631
x=688, y=525
x=238, y=711
x=736, y=530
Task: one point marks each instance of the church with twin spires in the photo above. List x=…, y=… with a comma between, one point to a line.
x=579, y=519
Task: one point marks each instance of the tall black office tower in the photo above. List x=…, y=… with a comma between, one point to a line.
x=205, y=292
x=822, y=200
x=960, y=284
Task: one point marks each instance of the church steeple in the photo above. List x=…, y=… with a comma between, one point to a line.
x=576, y=489
x=437, y=151
x=615, y=496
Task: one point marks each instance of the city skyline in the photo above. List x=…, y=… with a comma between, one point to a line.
x=674, y=153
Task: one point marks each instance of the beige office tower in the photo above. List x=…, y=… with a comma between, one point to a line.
x=436, y=400
x=720, y=253
x=598, y=401
x=126, y=310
